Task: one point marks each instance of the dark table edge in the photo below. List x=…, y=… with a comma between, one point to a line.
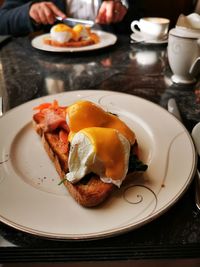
x=17, y=254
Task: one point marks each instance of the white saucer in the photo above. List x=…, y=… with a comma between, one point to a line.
x=138, y=37
x=178, y=79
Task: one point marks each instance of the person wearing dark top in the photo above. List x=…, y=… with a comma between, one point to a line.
x=21, y=17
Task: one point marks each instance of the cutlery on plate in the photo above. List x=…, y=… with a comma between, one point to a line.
x=1, y=106
x=73, y=21
x=173, y=109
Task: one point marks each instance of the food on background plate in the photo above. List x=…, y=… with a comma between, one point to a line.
x=62, y=35
x=92, y=150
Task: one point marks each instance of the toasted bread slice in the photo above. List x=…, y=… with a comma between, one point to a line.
x=90, y=191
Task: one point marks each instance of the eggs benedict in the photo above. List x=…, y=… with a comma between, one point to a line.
x=62, y=35
x=93, y=150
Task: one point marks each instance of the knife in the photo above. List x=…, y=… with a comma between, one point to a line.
x=73, y=21
x=173, y=109
x=1, y=106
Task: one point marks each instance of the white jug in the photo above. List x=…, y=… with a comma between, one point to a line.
x=184, y=54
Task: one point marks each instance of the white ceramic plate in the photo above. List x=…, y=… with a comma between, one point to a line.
x=138, y=37
x=31, y=199
x=106, y=39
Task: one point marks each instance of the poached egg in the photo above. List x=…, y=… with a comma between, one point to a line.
x=99, y=142
x=62, y=33
x=103, y=151
x=82, y=32
x=84, y=114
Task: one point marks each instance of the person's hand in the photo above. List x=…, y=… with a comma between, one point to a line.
x=44, y=12
x=111, y=12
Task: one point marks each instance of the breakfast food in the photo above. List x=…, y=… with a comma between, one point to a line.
x=93, y=150
x=62, y=35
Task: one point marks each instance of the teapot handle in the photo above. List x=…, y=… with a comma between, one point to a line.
x=195, y=68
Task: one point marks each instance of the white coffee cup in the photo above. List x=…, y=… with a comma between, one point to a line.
x=184, y=55
x=154, y=28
